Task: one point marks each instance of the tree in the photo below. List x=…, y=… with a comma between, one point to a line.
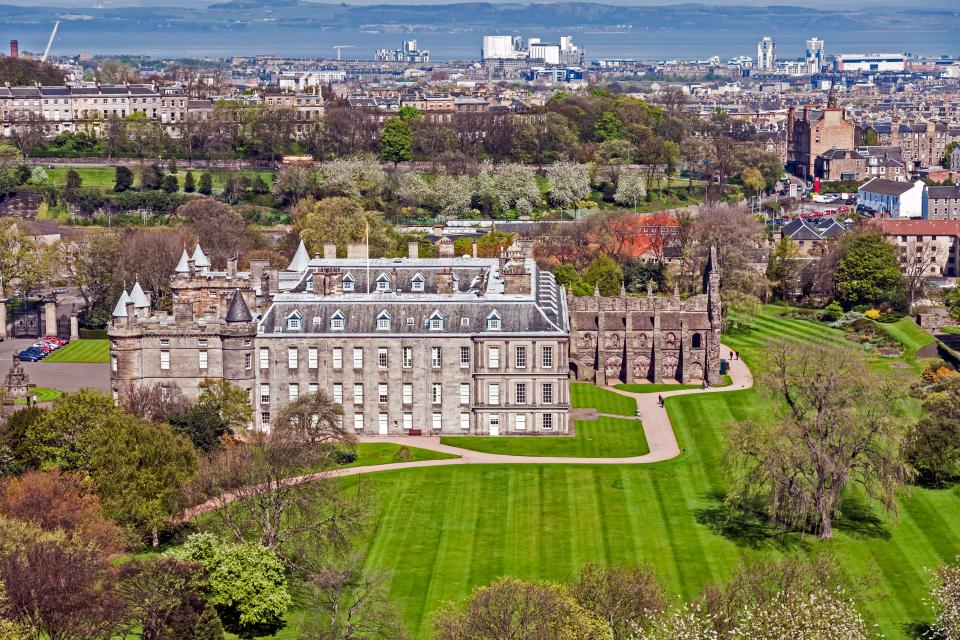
x=568, y=183
x=20, y=72
x=259, y=186
x=151, y=178
x=247, y=583
x=933, y=448
x=631, y=188
x=231, y=401
x=353, y=177
x=123, y=179
x=189, y=185
x=58, y=502
x=508, y=186
x=170, y=183
x=202, y=424
x=24, y=259
x=61, y=438
x=604, y=274
x=396, y=141
x=783, y=265
x=870, y=138
x=10, y=629
x=163, y=598
x=13, y=433
x=154, y=402
x=626, y=598
x=112, y=71
x=139, y=469
x=947, y=161
x=342, y=221
x=293, y=182
x=946, y=596
x=736, y=233
x=206, y=185
x=314, y=418
x=512, y=608
x=835, y=429
x=753, y=181
x=451, y=195
x=72, y=185
x=29, y=131
x=637, y=273
x=220, y=229
x=89, y=259
x=868, y=271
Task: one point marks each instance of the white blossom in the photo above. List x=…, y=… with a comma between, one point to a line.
x=569, y=183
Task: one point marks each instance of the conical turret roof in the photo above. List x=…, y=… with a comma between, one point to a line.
x=138, y=297
x=301, y=259
x=238, y=311
x=120, y=311
x=200, y=258
x=184, y=265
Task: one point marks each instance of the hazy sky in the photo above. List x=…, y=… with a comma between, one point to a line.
x=832, y=4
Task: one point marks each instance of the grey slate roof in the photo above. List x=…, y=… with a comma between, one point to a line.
x=238, y=310
x=943, y=193
x=887, y=187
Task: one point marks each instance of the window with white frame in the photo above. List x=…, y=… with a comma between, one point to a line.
x=338, y=392
x=312, y=357
x=358, y=357
x=264, y=358
x=383, y=321
x=494, y=422
x=521, y=393
x=313, y=388
x=265, y=417
x=437, y=393
x=547, y=421
x=547, y=393
x=113, y=363
x=464, y=393
x=493, y=357
x=202, y=342
x=407, y=357
x=338, y=357
x=382, y=423
x=464, y=356
x=464, y=421
x=247, y=361
x=437, y=421
x=493, y=393
x=358, y=422
x=520, y=423
x=164, y=359
x=294, y=392
x=436, y=357
x=164, y=342
x=336, y=322
x=464, y=322
x=293, y=359
x=493, y=322
x=407, y=421
x=382, y=392
x=546, y=357
x=202, y=359
x=520, y=357
x=383, y=283
x=357, y=393
x=264, y=394
x=407, y=393
x=435, y=322
x=417, y=283
x=383, y=358
x=348, y=283
x=293, y=322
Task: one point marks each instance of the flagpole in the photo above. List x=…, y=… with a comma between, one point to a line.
x=366, y=239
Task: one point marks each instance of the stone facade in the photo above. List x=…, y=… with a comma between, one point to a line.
x=812, y=133
x=651, y=338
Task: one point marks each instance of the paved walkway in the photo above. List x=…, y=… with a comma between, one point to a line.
x=656, y=427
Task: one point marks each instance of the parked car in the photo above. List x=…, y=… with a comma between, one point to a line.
x=61, y=291
x=30, y=355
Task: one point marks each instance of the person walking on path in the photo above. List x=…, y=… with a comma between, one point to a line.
x=660, y=400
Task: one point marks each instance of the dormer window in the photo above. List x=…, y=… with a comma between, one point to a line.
x=336, y=321
x=417, y=283
x=456, y=283
x=493, y=322
x=309, y=284
x=383, y=321
x=383, y=282
x=348, y=282
x=435, y=322
x=293, y=321
x=464, y=322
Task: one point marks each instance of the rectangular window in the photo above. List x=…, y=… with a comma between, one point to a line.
x=293, y=359
x=382, y=392
x=464, y=356
x=464, y=421
x=464, y=393
x=113, y=363
x=202, y=342
x=382, y=425
x=437, y=421
x=313, y=388
x=294, y=392
x=436, y=358
x=358, y=357
x=437, y=393
x=407, y=357
x=264, y=394
x=357, y=393
x=493, y=357
x=521, y=393
x=164, y=342
x=547, y=421
x=264, y=358
x=546, y=357
x=407, y=393
x=338, y=357
x=493, y=393
x=383, y=358
x=358, y=422
x=520, y=361
x=521, y=423
x=164, y=359
x=202, y=359
x=494, y=425
x=312, y=357
x=547, y=393
x=265, y=417
x=338, y=392
x=247, y=361
x=407, y=421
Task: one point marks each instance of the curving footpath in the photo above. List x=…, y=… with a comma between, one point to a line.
x=659, y=433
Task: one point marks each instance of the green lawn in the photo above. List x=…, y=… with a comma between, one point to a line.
x=585, y=395
x=82, y=351
x=605, y=437
x=658, y=388
x=103, y=177
x=42, y=395
x=376, y=453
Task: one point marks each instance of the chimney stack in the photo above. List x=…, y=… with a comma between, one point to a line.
x=14, y=49
x=445, y=248
x=256, y=269
x=413, y=249
x=232, y=266
x=329, y=251
x=445, y=282
x=476, y=249
x=356, y=250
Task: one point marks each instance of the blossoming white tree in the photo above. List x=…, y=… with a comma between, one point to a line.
x=569, y=183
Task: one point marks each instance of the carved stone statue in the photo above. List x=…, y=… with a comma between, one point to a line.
x=17, y=381
x=671, y=340
x=611, y=367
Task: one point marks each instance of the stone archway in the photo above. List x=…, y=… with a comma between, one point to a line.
x=696, y=372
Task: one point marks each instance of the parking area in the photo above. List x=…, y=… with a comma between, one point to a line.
x=66, y=376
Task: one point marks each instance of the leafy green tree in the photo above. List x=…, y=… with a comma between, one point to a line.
x=208, y=626
x=608, y=127
x=151, y=178
x=206, y=184
x=62, y=437
x=605, y=274
x=170, y=184
x=868, y=271
x=247, y=583
x=627, y=598
x=396, y=141
x=870, y=138
x=231, y=401
x=202, y=424
x=123, y=179
x=637, y=273
x=782, y=266
x=139, y=469
x=72, y=185
x=13, y=435
x=409, y=113
x=568, y=276
x=189, y=184
x=933, y=447
x=259, y=186
x=753, y=180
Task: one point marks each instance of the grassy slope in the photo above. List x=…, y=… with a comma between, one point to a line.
x=82, y=351
x=603, y=438
x=103, y=177
x=42, y=395
x=444, y=531
x=657, y=388
x=583, y=394
x=374, y=453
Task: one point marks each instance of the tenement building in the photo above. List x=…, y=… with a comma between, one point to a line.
x=410, y=345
